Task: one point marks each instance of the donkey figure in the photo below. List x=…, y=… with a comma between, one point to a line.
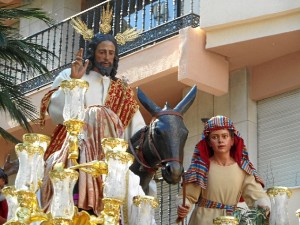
x=161, y=143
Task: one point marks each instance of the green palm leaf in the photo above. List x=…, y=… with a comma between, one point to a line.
x=17, y=12
x=21, y=53
x=28, y=55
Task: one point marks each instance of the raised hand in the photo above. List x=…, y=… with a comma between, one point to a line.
x=11, y=166
x=78, y=68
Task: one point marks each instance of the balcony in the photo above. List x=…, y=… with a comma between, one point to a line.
x=156, y=19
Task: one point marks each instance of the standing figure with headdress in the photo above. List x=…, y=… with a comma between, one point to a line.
x=220, y=175
x=111, y=111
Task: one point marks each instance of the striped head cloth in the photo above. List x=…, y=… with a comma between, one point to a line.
x=198, y=170
x=218, y=123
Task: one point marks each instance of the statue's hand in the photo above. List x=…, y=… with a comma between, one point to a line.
x=182, y=211
x=11, y=166
x=78, y=68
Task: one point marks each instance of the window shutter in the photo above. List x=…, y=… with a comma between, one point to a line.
x=279, y=139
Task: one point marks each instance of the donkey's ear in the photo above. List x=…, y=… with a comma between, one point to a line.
x=188, y=100
x=150, y=106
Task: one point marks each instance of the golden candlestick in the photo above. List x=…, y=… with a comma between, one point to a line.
x=73, y=127
x=225, y=220
x=73, y=112
x=11, y=197
x=23, y=197
x=28, y=210
x=95, y=168
x=139, y=199
x=111, y=211
x=37, y=140
x=277, y=190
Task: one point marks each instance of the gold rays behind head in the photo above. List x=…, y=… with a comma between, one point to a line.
x=105, y=27
x=81, y=28
x=106, y=19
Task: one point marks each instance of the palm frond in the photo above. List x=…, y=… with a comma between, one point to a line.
x=13, y=47
x=20, y=52
x=31, y=56
x=17, y=12
x=7, y=136
x=13, y=102
x=3, y=40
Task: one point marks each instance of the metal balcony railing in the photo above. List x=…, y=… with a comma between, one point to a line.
x=156, y=19
x=166, y=214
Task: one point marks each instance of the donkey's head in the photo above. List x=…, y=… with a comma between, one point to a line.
x=165, y=140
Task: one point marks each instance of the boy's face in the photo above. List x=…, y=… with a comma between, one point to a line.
x=221, y=141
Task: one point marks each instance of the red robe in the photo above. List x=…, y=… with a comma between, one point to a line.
x=3, y=210
x=109, y=120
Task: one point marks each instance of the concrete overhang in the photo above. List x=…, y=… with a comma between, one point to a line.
x=165, y=69
x=255, y=41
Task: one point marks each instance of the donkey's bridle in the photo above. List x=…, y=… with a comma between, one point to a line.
x=140, y=156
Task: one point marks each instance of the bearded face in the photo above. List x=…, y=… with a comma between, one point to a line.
x=104, y=57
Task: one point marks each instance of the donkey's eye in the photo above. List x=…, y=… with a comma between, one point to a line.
x=157, y=132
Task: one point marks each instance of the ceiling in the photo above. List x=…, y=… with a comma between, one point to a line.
x=257, y=51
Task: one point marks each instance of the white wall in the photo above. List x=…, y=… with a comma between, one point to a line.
x=57, y=10
x=235, y=21
x=216, y=12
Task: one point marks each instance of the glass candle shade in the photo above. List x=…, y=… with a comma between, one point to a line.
x=111, y=212
x=118, y=162
x=114, y=145
x=74, y=90
x=298, y=215
x=146, y=206
x=279, y=202
x=27, y=205
x=63, y=182
x=30, y=161
x=12, y=201
x=38, y=140
x=225, y=220
x=115, y=184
